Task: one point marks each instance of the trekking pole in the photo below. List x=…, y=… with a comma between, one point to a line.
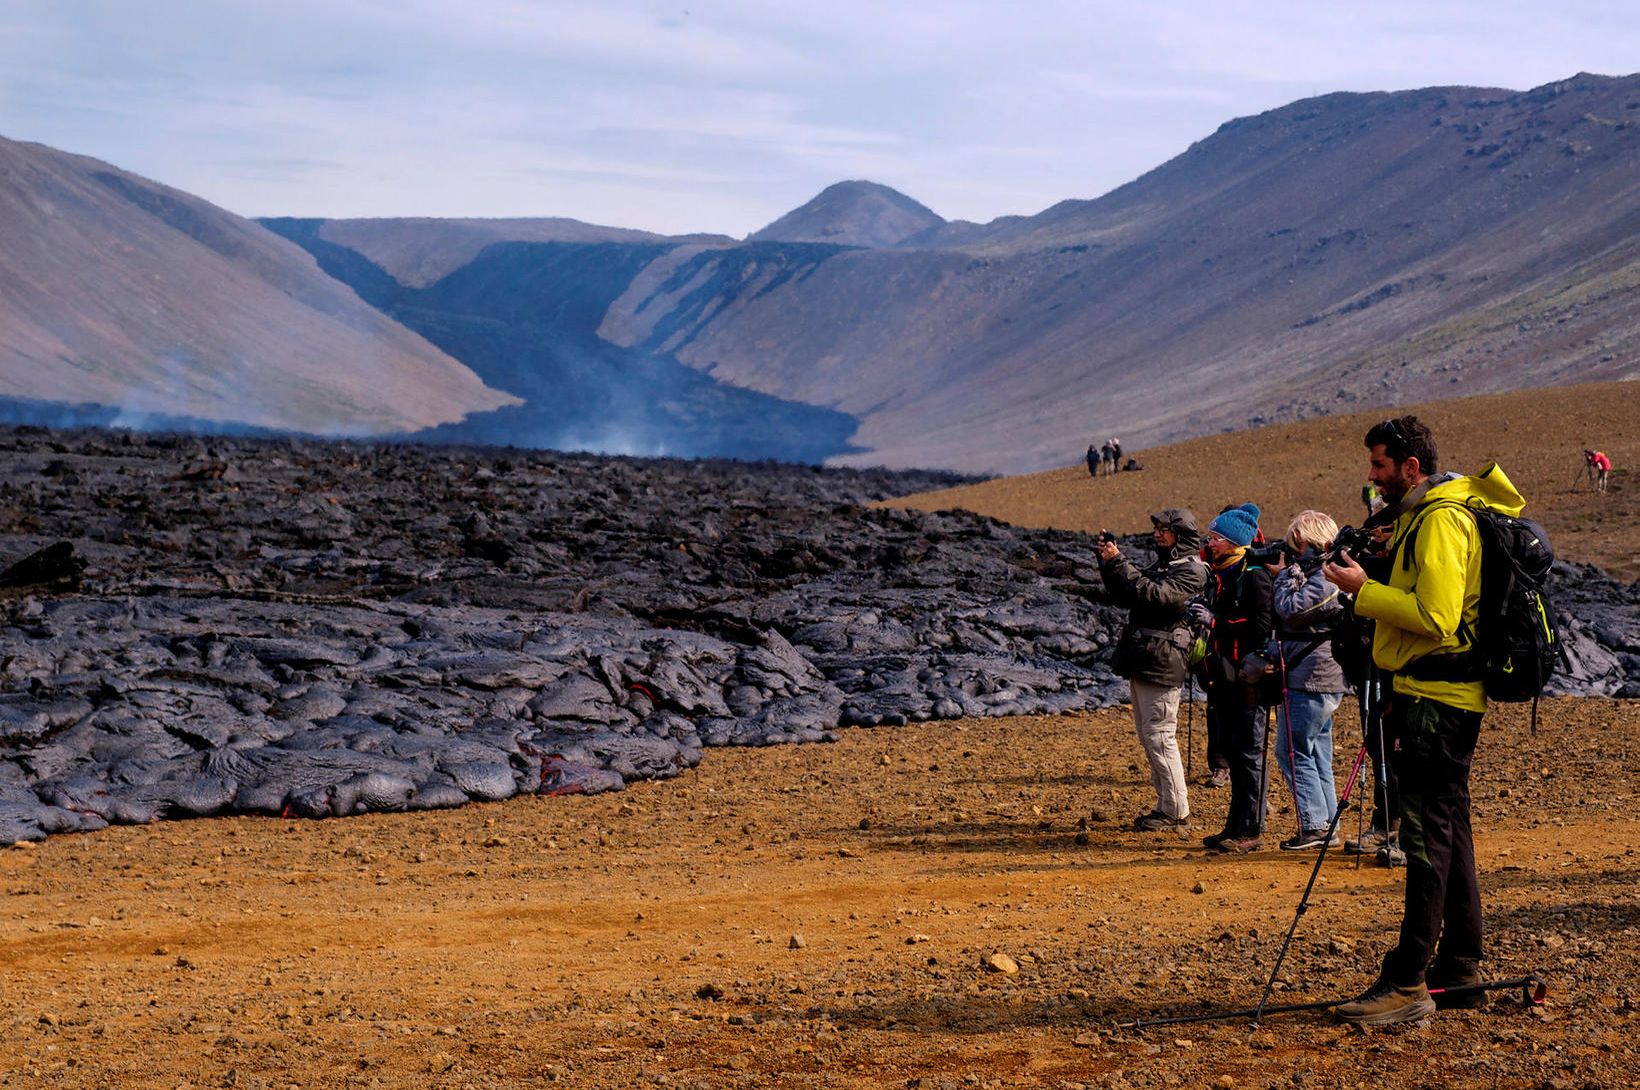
x=1366, y=706
x=1534, y=990
x=1189, y=725
x=1264, y=781
x=1304, y=901
x=1284, y=716
x=1392, y=821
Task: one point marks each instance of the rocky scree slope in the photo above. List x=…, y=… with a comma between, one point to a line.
x=1344, y=251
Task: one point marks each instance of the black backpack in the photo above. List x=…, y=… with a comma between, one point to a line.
x=1352, y=645
x=1516, y=641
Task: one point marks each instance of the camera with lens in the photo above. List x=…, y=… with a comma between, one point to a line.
x=1360, y=543
x=1277, y=552
x=1105, y=537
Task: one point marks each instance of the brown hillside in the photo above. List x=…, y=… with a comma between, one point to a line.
x=1342, y=252
x=1537, y=436
x=118, y=291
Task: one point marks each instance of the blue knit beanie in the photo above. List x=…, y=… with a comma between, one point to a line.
x=1239, y=524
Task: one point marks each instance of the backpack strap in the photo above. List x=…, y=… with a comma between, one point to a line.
x=1407, y=540
x=1455, y=666
x=1303, y=652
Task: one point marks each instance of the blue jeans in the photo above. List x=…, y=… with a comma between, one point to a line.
x=1304, y=750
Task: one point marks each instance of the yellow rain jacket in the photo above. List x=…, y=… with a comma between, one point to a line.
x=1439, y=585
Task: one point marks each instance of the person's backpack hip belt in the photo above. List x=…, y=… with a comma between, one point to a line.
x=1457, y=666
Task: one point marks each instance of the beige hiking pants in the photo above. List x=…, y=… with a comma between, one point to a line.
x=1156, y=719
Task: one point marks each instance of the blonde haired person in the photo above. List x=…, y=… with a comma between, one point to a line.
x=1307, y=607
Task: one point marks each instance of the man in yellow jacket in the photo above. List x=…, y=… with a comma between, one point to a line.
x=1425, y=613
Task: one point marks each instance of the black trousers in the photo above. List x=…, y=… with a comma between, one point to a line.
x=1218, y=728
x=1240, y=726
x=1435, y=744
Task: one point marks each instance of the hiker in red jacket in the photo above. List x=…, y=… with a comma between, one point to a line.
x=1602, y=467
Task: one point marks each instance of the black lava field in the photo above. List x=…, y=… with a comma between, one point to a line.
x=201, y=626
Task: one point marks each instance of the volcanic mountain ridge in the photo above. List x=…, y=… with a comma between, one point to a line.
x=1342, y=252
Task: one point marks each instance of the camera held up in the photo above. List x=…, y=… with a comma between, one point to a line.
x=1276, y=552
x=1360, y=543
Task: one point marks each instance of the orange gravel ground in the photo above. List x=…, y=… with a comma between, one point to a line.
x=815, y=916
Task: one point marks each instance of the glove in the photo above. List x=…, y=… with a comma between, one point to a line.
x=1200, y=615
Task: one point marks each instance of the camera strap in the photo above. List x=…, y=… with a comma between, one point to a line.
x=1290, y=661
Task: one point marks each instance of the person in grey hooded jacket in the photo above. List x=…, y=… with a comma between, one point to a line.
x=1307, y=608
x=1153, y=650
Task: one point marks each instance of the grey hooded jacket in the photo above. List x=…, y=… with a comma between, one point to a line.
x=1307, y=607
x=1154, y=645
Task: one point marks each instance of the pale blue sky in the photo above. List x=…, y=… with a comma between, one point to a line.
x=698, y=115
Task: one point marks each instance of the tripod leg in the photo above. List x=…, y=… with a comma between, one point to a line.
x=1304, y=901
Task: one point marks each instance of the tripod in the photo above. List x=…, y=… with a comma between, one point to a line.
x=1366, y=694
x=1369, y=697
x=1315, y=871
x=1586, y=474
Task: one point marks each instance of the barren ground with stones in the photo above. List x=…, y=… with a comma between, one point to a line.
x=816, y=915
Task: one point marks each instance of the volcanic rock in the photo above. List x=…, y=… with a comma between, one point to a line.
x=223, y=655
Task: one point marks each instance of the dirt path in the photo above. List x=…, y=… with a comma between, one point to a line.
x=814, y=916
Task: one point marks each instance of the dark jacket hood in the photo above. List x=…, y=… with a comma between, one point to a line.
x=1183, y=525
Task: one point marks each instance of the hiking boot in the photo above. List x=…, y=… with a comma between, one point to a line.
x=1387, y=1005
x=1215, y=839
x=1443, y=981
x=1158, y=822
x=1240, y=845
x=1391, y=855
x=1218, y=777
x=1368, y=842
x=1308, y=839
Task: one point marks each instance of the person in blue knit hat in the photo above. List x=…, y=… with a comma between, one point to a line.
x=1239, y=595
x=1238, y=525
